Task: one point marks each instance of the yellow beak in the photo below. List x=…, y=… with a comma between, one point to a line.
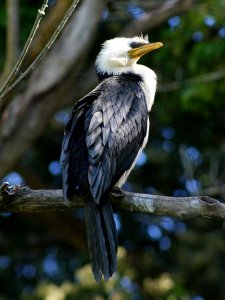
x=138, y=52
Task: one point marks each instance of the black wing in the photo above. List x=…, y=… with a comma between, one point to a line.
x=74, y=156
x=103, y=136
x=115, y=126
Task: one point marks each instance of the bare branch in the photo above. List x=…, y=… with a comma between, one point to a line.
x=22, y=199
x=43, y=52
x=46, y=29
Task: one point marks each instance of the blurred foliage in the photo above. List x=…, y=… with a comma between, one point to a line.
x=159, y=258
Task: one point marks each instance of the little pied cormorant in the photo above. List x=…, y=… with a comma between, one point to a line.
x=107, y=130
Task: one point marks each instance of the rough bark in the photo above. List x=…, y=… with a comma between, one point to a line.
x=22, y=199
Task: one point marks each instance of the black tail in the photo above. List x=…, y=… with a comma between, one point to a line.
x=102, y=238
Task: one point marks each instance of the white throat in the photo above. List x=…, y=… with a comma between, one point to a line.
x=149, y=82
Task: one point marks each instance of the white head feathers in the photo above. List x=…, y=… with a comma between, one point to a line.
x=114, y=58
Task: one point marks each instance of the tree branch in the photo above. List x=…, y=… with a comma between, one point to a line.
x=23, y=199
x=8, y=88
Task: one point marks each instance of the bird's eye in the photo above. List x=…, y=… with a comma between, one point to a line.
x=137, y=44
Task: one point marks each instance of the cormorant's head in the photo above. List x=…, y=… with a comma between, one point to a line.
x=119, y=55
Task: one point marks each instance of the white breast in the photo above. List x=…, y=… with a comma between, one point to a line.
x=149, y=83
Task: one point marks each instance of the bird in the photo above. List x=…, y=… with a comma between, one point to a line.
x=107, y=130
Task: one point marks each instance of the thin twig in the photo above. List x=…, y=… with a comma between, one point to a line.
x=43, y=52
x=12, y=75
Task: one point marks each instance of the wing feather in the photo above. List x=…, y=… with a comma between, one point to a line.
x=103, y=136
x=96, y=120
x=74, y=150
x=120, y=133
